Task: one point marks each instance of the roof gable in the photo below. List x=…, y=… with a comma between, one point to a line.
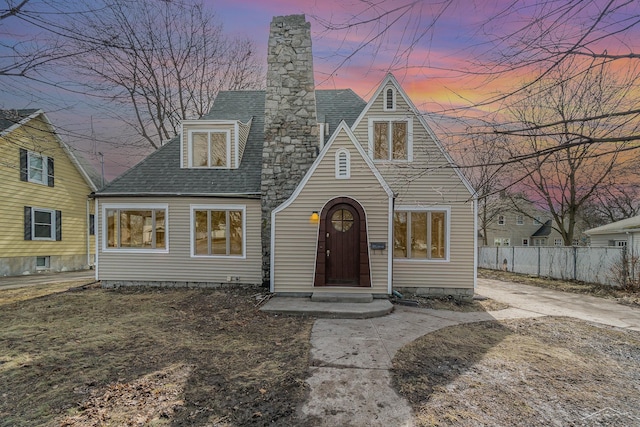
x=390, y=80
x=342, y=128
x=13, y=119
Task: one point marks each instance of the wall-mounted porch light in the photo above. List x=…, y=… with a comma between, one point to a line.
x=314, y=218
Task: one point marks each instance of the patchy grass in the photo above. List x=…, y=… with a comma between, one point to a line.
x=452, y=304
x=541, y=371
x=9, y=296
x=593, y=289
x=148, y=357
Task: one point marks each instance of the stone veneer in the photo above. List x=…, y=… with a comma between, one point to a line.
x=290, y=124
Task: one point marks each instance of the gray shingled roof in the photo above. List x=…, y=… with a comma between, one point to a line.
x=9, y=118
x=160, y=172
x=544, y=230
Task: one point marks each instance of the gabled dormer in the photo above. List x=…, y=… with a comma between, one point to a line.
x=213, y=144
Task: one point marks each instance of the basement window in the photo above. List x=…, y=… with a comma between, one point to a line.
x=43, y=263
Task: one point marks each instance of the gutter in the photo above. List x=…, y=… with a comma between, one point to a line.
x=229, y=195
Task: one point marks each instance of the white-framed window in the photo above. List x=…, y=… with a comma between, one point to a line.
x=389, y=99
x=210, y=148
x=41, y=224
x=139, y=227
x=539, y=241
x=558, y=242
x=502, y=220
x=36, y=167
x=525, y=242
x=391, y=139
x=620, y=243
x=502, y=241
x=343, y=164
x=519, y=219
x=218, y=230
x=537, y=220
x=421, y=234
x=43, y=262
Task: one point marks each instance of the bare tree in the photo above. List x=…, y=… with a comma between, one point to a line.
x=612, y=202
x=160, y=62
x=516, y=39
x=567, y=175
x=476, y=157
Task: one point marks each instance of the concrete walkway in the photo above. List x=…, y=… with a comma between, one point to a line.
x=13, y=282
x=555, y=303
x=350, y=383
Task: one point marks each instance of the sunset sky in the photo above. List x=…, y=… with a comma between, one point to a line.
x=438, y=71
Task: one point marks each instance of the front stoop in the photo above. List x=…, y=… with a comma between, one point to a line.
x=337, y=297
x=328, y=309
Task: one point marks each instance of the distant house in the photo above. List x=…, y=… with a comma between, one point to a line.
x=525, y=225
x=625, y=233
x=45, y=212
x=308, y=191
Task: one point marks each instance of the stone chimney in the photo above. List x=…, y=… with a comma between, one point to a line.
x=290, y=124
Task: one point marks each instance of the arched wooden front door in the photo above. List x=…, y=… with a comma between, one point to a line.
x=342, y=249
x=342, y=258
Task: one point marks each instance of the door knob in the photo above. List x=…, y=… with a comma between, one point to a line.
x=328, y=252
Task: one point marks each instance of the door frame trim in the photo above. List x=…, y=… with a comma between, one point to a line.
x=320, y=273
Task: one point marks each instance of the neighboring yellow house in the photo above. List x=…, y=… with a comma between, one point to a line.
x=44, y=211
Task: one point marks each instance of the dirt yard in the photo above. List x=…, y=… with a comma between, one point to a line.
x=148, y=357
x=532, y=372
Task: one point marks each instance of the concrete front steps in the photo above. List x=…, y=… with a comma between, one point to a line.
x=330, y=305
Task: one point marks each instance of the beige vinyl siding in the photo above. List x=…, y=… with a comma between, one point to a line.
x=243, y=131
x=68, y=195
x=426, y=182
x=207, y=126
x=296, y=238
x=177, y=264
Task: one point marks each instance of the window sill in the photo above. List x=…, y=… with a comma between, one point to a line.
x=219, y=256
x=135, y=251
x=418, y=260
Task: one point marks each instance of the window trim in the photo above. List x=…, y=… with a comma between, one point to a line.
x=519, y=219
x=227, y=133
x=33, y=224
x=447, y=233
x=386, y=98
x=502, y=220
x=390, y=119
x=347, y=154
x=525, y=241
x=47, y=262
x=558, y=242
x=193, y=208
x=135, y=206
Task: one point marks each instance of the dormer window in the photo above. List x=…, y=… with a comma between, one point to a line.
x=389, y=99
x=390, y=139
x=343, y=164
x=209, y=149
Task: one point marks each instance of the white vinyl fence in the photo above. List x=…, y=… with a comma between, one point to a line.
x=586, y=264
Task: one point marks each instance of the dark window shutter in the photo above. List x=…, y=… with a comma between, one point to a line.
x=27, y=223
x=58, y=225
x=50, y=171
x=23, y=165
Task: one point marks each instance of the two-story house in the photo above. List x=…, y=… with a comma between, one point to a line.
x=45, y=211
x=521, y=223
x=304, y=190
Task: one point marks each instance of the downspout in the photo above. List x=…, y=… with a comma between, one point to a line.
x=97, y=232
x=88, y=234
